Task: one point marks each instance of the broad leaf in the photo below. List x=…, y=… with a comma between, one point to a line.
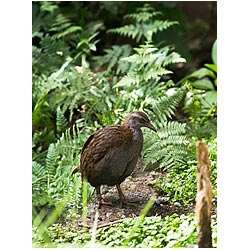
x=203, y=84
x=214, y=52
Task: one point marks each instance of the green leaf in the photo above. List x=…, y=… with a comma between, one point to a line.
x=204, y=84
x=202, y=72
x=61, y=122
x=83, y=41
x=210, y=98
x=214, y=52
x=51, y=159
x=145, y=26
x=212, y=67
x=68, y=31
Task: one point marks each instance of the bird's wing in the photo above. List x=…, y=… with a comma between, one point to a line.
x=85, y=145
x=99, y=144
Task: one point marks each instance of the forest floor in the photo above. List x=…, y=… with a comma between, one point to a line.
x=137, y=189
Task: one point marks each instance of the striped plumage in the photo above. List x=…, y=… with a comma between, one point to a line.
x=110, y=155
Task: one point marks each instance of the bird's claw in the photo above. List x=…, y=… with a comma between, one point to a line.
x=103, y=202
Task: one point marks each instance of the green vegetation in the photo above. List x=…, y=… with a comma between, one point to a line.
x=82, y=83
x=171, y=231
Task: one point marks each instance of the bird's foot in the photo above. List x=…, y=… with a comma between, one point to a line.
x=103, y=202
x=123, y=200
x=126, y=202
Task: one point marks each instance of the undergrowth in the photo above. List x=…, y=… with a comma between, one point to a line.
x=78, y=89
x=154, y=232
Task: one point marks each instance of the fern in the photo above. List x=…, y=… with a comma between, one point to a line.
x=69, y=147
x=112, y=58
x=49, y=6
x=144, y=27
x=143, y=14
x=39, y=182
x=61, y=122
x=42, y=177
x=169, y=147
x=52, y=51
x=169, y=56
x=201, y=99
x=145, y=66
x=38, y=175
x=51, y=165
x=63, y=27
x=59, y=38
x=165, y=106
x=51, y=181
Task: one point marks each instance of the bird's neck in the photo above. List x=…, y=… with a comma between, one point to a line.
x=137, y=133
x=135, y=128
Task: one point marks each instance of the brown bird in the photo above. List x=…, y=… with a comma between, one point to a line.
x=110, y=155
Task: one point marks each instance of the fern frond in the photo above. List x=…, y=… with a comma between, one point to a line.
x=61, y=23
x=38, y=174
x=48, y=6
x=169, y=147
x=174, y=57
x=113, y=57
x=165, y=106
x=128, y=80
x=144, y=26
x=51, y=160
x=39, y=184
x=131, y=31
x=61, y=122
x=68, y=31
x=49, y=53
x=137, y=31
x=155, y=73
x=143, y=14
x=68, y=147
x=146, y=64
x=156, y=26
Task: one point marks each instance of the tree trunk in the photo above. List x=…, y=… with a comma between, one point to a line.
x=203, y=198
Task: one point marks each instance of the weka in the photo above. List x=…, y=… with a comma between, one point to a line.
x=110, y=155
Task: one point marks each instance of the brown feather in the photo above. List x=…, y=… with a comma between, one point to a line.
x=110, y=154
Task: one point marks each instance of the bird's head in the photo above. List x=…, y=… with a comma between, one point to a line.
x=138, y=119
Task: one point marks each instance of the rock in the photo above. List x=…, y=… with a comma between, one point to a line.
x=177, y=204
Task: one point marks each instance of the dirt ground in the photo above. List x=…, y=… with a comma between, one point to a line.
x=137, y=189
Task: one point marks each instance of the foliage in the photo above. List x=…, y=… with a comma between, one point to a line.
x=201, y=99
x=155, y=232
x=170, y=145
x=171, y=231
x=147, y=65
x=180, y=183
x=112, y=59
x=51, y=182
x=144, y=27
x=79, y=87
x=57, y=38
x=66, y=91
x=43, y=221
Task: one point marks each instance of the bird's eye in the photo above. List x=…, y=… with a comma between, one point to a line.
x=142, y=120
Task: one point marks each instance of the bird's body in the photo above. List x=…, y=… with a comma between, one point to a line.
x=110, y=155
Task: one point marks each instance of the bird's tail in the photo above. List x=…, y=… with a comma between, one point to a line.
x=75, y=170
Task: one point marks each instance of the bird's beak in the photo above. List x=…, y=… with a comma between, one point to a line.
x=150, y=126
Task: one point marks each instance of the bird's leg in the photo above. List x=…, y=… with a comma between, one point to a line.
x=101, y=201
x=98, y=194
x=122, y=197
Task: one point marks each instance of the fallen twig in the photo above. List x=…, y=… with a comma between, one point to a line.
x=110, y=223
